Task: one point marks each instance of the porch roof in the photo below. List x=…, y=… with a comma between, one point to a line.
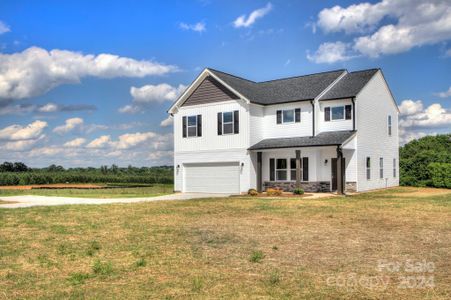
x=333, y=138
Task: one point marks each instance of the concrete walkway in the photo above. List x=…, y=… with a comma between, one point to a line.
x=29, y=201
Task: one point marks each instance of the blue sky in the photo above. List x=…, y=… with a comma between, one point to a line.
x=85, y=83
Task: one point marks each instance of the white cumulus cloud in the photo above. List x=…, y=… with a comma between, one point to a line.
x=445, y=94
x=100, y=142
x=69, y=125
x=18, y=132
x=246, y=21
x=156, y=93
x=130, y=140
x=4, y=28
x=129, y=109
x=330, y=53
x=411, y=23
x=75, y=143
x=197, y=27
x=35, y=71
x=49, y=107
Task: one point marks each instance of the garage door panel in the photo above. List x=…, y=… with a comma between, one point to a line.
x=212, y=177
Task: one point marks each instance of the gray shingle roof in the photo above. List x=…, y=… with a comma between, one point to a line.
x=322, y=139
x=350, y=85
x=299, y=88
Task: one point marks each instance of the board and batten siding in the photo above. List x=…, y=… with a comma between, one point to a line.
x=374, y=103
x=209, y=91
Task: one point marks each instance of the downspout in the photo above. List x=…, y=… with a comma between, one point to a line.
x=353, y=113
x=312, y=102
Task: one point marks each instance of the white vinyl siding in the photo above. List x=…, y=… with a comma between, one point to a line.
x=334, y=124
x=374, y=104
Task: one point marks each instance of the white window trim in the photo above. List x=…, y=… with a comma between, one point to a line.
x=283, y=118
x=188, y=126
x=233, y=123
x=335, y=106
x=276, y=169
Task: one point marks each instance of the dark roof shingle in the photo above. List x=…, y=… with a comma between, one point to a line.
x=323, y=139
x=299, y=88
x=350, y=85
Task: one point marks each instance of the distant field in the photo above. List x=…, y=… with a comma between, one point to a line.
x=232, y=248
x=93, y=191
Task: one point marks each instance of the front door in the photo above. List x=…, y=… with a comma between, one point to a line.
x=334, y=174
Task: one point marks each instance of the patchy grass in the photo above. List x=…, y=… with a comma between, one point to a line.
x=202, y=248
x=144, y=191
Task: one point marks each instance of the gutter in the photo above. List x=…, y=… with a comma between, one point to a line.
x=312, y=102
x=353, y=113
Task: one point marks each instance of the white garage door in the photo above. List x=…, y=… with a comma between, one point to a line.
x=212, y=178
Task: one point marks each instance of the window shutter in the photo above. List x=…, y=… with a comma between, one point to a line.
x=297, y=115
x=236, y=122
x=271, y=169
x=199, y=125
x=279, y=117
x=305, y=169
x=327, y=114
x=184, y=127
x=348, y=111
x=219, y=123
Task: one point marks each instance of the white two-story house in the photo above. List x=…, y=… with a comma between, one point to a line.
x=331, y=131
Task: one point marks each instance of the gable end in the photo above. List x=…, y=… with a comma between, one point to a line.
x=209, y=91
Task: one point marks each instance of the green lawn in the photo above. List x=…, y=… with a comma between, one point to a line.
x=146, y=191
x=230, y=248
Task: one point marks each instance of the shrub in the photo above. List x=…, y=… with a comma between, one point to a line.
x=256, y=256
x=78, y=278
x=252, y=192
x=102, y=268
x=298, y=192
x=274, y=192
x=140, y=263
x=441, y=174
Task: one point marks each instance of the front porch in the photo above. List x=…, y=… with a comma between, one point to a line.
x=323, y=163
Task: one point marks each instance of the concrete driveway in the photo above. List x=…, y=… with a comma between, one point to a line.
x=29, y=201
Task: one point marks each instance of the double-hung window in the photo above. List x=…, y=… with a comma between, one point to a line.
x=192, y=126
x=304, y=169
x=287, y=116
x=337, y=113
x=228, y=122
x=389, y=125
x=368, y=168
x=381, y=167
x=281, y=169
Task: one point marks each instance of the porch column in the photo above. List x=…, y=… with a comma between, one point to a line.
x=340, y=183
x=259, y=172
x=298, y=169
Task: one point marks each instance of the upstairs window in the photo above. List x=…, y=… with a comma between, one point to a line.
x=368, y=168
x=228, y=122
x=389, y=125
x=381, y=168
x=289, y=116
x=192, y=126
x=338, y=113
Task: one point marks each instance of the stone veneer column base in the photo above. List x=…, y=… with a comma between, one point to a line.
x=351, y=186
x=289, y=186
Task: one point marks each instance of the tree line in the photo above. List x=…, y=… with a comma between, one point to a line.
x=18, y=173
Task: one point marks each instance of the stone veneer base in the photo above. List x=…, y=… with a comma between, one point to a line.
x=311, y=186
